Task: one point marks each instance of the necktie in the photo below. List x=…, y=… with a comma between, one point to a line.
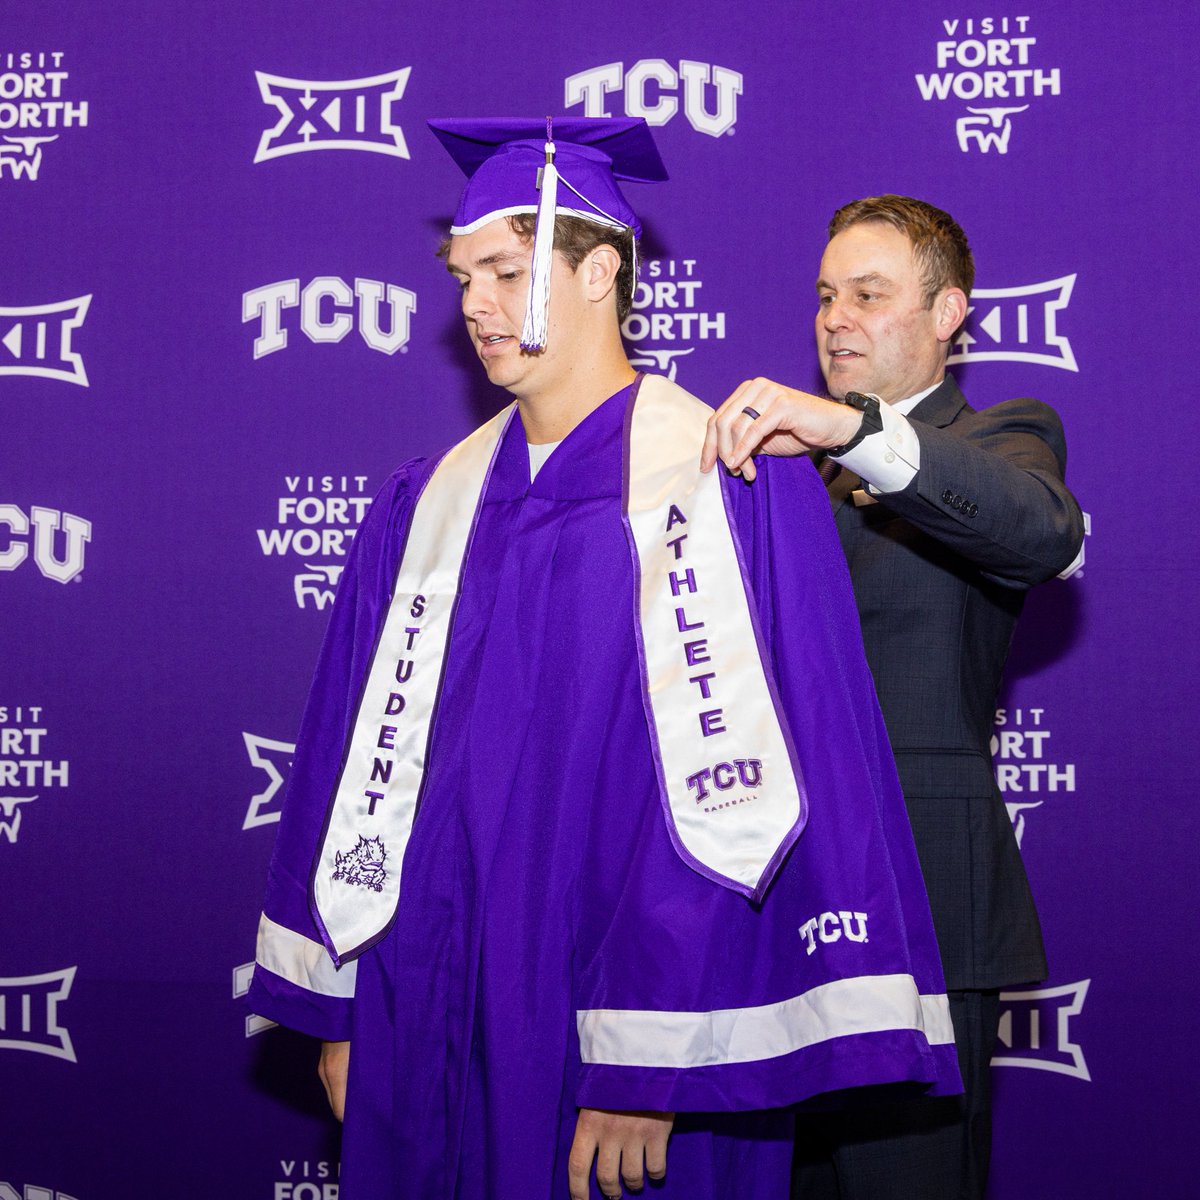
x=828, y=469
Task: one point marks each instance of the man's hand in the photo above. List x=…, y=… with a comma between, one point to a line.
x=789, y=422
x=618, y=1141
x=333, y=1069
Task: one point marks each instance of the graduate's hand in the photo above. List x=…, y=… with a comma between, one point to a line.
x=333, y=1069
x=618, y=1142
x=789, y=422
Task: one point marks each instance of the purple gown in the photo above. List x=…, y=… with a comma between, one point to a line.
x=540, y=879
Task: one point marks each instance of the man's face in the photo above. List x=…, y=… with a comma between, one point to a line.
x=493, y=266
x=874, y=333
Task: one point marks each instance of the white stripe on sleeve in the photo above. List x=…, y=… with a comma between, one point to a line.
x=302, y=961
x=844, y=1008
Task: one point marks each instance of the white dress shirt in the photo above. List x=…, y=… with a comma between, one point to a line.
x=888, y=460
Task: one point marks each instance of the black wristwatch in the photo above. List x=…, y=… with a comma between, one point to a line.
x=872, y=422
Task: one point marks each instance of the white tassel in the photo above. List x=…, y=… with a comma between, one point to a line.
x=537, y=310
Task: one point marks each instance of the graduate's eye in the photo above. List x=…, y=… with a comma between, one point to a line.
x=510, y=276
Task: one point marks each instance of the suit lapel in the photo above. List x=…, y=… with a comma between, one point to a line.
x=941, y=406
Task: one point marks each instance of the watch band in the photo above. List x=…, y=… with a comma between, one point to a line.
x=872, y=422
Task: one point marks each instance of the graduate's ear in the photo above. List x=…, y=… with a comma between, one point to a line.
x=601, y=266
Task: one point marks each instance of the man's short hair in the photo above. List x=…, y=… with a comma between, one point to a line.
x=939, y=244
x=575, y=239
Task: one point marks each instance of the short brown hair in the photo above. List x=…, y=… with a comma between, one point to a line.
x=575, y=239
x=939, y=244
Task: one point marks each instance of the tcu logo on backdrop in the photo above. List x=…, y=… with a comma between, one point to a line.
x=30, y=1192
x=652, y=88
x=58, y=539
x=1035, y=1030
x=275, y=759
x=38, y=340
x=31, y=97
x=29, y=1014
x=1017, y=324
x=987, y=59
x=338, y=114
x=329, y=309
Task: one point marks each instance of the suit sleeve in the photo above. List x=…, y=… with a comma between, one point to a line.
x=990, y=486
x=295, y=981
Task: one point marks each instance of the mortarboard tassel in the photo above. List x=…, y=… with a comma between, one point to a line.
x=537, y=310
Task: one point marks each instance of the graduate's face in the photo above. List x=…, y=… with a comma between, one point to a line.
x=874, y=331
x=492, y=266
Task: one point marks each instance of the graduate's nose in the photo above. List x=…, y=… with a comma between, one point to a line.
x=478, y=300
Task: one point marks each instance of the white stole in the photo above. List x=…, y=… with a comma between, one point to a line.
x=732, y=787
x=731, y=791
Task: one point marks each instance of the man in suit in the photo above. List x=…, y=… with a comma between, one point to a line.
x=947, y=516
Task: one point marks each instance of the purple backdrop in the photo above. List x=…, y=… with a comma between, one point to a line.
x=215, y=342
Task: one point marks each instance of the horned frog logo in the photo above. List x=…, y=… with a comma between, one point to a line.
x=362, y=866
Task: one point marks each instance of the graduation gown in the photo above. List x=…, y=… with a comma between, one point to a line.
x=551, y=949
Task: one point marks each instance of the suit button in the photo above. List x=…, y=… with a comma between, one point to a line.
x=957, y=502
x=972, y=510
x=947, y=496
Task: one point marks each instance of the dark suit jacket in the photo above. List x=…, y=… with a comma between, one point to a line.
x=940, y=571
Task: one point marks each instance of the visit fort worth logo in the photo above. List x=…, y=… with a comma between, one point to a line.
x=990, y=71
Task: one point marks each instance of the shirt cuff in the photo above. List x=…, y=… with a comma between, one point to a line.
x=888, y=460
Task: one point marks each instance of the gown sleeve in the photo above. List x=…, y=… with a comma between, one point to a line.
x=295, y=981
x=695, y=999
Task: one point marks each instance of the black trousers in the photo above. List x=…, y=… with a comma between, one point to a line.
x=919, y=1149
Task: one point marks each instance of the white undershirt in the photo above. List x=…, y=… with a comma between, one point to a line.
x=889, y=460
x=538, y=456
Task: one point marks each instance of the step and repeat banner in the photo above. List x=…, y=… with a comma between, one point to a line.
x=223, y=323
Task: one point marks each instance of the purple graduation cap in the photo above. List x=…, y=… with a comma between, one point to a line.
x=570, y=166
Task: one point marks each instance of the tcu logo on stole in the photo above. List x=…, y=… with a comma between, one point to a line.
x=39, y=340
x=29, y=1014
x=337, y=114
x=1017, y=324
x=652, y=91
x=46, y=523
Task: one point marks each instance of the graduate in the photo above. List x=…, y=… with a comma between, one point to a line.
x=593, y=860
